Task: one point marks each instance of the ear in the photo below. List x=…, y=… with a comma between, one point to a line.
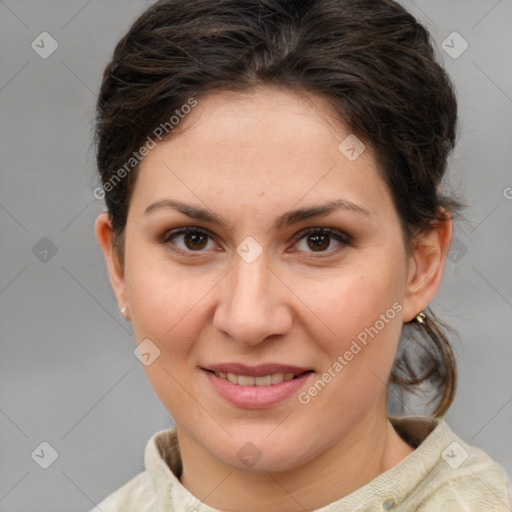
x=104, y=235
x=426, y=265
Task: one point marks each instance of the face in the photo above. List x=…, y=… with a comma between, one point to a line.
x=257, y=291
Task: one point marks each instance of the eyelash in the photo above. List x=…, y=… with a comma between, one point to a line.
x=343, y=238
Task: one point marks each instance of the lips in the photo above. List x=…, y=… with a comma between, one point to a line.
x=259, y=386
x=257, y=395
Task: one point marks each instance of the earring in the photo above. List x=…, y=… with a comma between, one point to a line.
x=420, y=318
x=124, y=312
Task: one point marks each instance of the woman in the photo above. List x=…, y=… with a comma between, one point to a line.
x=275, y=228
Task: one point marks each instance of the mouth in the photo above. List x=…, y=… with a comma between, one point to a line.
x=270, y=379
x=257, y=386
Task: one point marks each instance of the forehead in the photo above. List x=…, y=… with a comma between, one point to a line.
x=270, y=143
x=266, y=115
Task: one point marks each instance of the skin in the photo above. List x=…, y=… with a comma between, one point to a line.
x=249, y=158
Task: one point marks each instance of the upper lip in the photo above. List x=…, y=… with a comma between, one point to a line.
x=256, y=371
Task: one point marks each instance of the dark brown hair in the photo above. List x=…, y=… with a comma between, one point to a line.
x=370, y=59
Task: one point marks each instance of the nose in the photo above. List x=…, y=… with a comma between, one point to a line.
x=253, y=306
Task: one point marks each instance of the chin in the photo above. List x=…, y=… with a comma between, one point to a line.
x=259, y=454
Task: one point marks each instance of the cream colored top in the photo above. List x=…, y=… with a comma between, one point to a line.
x=443, y=474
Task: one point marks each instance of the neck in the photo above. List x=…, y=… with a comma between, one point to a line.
x=368, y=450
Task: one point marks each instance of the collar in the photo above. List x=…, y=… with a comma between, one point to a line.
x=429, y=436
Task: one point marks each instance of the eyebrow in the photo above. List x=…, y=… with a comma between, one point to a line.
x=287, y=219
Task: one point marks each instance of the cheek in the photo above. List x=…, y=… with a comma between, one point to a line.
x=169, y=309
x=341, y=312
x=348, y=302
x=358, y=329
x=165, y=299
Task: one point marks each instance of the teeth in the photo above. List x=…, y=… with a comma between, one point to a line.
x=232, y=378
x=263, y=381
x=244, y=380
x=277, y=378
x=247, y=380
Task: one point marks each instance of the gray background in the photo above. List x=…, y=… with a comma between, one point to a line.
x=68, y=373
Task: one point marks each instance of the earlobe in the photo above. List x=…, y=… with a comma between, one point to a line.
x=426, y=266
x=104, y=235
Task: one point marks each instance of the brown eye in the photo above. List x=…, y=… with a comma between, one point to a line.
x=193, y=239
x=320, y=239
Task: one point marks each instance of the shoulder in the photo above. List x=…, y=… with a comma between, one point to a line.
x=140, y=494
x=463, y=478
x=135, y=495
x=482, y=491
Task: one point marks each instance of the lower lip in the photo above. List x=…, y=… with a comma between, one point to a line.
x=256, y=397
